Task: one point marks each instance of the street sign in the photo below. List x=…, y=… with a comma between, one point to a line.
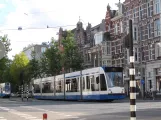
x=142, y=81
x=2, y=50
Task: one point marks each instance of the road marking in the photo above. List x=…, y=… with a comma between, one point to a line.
x=20, y=114
x=59, y=113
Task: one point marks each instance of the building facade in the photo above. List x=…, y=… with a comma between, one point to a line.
x=38, y=49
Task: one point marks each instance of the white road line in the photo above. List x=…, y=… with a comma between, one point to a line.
x=59, y=113
x=20, y=114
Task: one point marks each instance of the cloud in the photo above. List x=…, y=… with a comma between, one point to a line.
x=2, y=6
x=40, y=13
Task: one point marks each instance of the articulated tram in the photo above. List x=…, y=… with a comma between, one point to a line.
x=5, y=90
x=100, y=83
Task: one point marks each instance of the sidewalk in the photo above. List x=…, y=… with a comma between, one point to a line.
x=142, y=100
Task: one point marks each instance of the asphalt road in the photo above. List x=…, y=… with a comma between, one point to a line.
x=15, y=109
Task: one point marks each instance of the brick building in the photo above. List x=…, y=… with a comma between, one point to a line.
x=146, y=16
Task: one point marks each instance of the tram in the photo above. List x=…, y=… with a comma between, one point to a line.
x=100, y=83
x=5, y=90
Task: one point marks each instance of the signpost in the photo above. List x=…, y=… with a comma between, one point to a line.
x=2, y=50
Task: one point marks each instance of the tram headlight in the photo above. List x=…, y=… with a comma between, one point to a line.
x=109, y=91
x=123, y=90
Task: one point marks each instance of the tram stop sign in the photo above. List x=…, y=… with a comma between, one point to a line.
x=2, y=50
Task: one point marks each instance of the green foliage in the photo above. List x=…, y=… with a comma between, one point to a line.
x=6, y=43
x=4, y=70
x=33, y=68
x=52, y=58
x=71, y=56
x=19, y=64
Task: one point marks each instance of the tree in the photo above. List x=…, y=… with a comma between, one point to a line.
x=4, y=70
x=5, y=62
x=33, y=68
x=6, y=43
x=71, y=56
x=53, y=58
x=18, y=65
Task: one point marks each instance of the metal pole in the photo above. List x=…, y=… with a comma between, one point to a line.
x=27, y=92
x=132, y=76
x=81, y=88
x=22, y=92
x=64, y=83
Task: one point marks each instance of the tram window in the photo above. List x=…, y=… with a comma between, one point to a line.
x=58, y=86
x=74, y=85
x=47, y=87
x=92, y=83
x=36, y=88
x=83, y=83
x=68, y=88
x=103, y=82
x=97, y=80
x=88, y=82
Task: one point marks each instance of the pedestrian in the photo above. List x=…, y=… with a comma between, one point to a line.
x=153, y=93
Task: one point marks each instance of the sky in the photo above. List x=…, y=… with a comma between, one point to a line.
x=29, y=14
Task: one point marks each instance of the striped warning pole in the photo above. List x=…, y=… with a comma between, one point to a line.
x=22, y=92
x=27, y=92
x=132, y=76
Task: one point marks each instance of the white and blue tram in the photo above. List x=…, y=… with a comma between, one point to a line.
x=100, y=83
x=5, y=90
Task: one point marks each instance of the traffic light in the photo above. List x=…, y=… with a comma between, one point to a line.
x=126, y=41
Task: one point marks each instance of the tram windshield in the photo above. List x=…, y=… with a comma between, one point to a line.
x=114, y=76
x=114, y=79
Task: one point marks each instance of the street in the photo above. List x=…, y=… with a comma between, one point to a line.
x=14, y=109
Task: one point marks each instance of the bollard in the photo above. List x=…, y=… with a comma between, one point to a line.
x=44, y=116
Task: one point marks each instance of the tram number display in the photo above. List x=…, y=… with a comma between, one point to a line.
x=113, y=69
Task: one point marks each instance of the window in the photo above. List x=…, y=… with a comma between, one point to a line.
x=108, y=48
x=156, y=6
x=128, y=60
x=116, y=29
x=149, y=74
x=98, y=38
x=103, y=82
x=148, y=9
x=157, y=28
x=74, y=85
x=141, y=33
x=135, y=34
x=136, y=54
x=103, y=50
x=43, y=49
x=127, y=27
x=149, y=30
x=59, y=86
x=92, y=83
x=150, y=52
x=150, y=84
x=134, y=13
x=159, y=85
x=140, y=12
x=88, y=82
x=157, y=50
x=121, y=27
